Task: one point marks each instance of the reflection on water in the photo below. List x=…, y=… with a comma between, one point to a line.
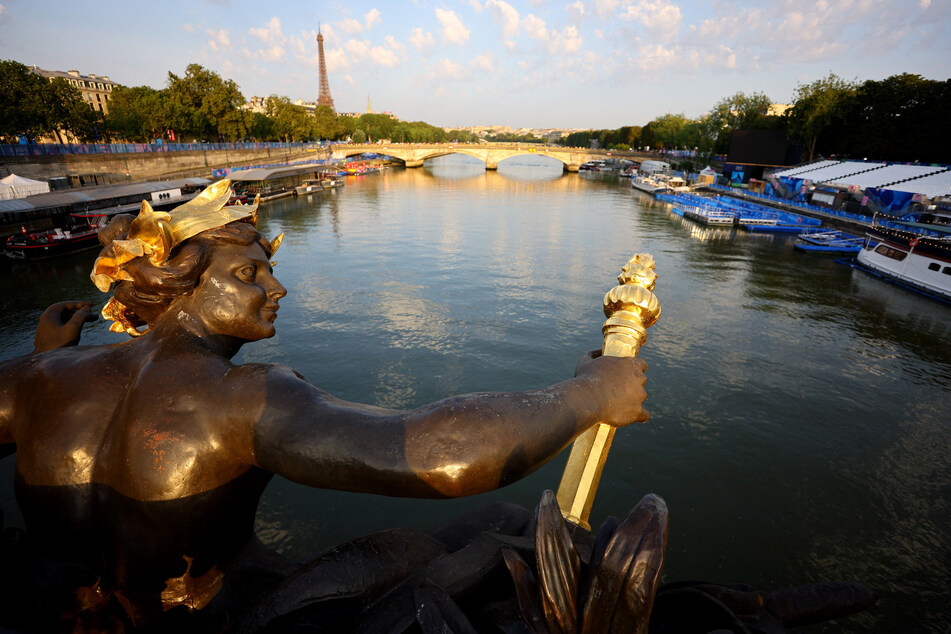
x=799, y=407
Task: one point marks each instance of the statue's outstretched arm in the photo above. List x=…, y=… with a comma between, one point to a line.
x=458, y=446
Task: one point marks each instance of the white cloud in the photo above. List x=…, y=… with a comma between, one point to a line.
x=604, y=8
x=273, y=53
x=657, y=16
x=189, y=28
x=484, y=62
x=424, y=42
x=362, y=51
x=219, y=37
x=371, y=18
x=575, y=11
x=475, y=6
x=397, y=47
x=271, y=33
x=446, y=69
x=350, y=26
x=506, y=15
x=453, y=30
x=336, y=59
x=535, y=27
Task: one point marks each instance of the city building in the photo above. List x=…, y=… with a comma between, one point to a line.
x=96, y=90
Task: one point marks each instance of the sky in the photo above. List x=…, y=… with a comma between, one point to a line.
x=536, y=63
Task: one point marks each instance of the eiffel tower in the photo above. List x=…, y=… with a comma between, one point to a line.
x=324, y=98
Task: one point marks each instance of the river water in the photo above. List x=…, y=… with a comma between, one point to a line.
x=800, y=425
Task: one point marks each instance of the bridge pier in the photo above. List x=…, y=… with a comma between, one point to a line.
x=491, y=166
x=571, y=167
x=412, y=163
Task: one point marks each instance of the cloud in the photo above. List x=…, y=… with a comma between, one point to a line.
x=395, y=45
x=604, y=8
x=362, y=51
x=475, y=6
x=575, y=11
x=506, y=15
x=657, y=16
x=535, y=27
x=424, y=43
x=484, y=63
x=273, y=53
x=453, y=30
x=187, y=27
x=350, y=26
x=271, y=33
x=336, y=60
x=371, y=18
x=219, y=37
x=448, y=70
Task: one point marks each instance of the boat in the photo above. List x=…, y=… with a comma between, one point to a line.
x=648, y=183
x=828, y=241
x=310, y=186
x=659, y=183
x=913, y=250
x=81, y=234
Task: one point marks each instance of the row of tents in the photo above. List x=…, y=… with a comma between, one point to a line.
x=14, y=186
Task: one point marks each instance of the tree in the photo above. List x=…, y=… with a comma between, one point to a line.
x=206, y=106
x=290, y=122
x=139, y=114
x=818, y=107
x=737, y=112
x=23, y=109
x=68, y=114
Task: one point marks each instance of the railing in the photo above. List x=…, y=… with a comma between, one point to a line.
x=59, y=149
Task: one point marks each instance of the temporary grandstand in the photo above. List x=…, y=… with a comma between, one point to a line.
x=894, y=184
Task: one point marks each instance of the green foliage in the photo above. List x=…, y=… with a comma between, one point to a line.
x=139, y=114
x=289, y=121
x=819, y=107
x=511, y=137
x=33, y=106
x=206, y=106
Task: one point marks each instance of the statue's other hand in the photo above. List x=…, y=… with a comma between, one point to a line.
x=61, y=325
x=618, y=383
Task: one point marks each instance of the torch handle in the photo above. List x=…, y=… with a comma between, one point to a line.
x=631, y=308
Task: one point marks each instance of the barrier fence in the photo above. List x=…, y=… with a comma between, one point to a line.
x=59, y=149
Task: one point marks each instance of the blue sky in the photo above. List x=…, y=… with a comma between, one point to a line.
x=534, y=63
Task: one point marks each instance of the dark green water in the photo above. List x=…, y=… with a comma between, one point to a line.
x=800, y=424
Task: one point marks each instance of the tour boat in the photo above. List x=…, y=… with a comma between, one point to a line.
x=913, y=251
x=81, y=234
x=828, y=241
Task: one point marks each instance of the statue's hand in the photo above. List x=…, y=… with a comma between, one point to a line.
x=618, y=383
x=61, y=325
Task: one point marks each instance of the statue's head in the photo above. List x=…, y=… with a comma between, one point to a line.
x=152, y=259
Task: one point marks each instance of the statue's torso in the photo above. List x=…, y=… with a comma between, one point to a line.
x=137, y=468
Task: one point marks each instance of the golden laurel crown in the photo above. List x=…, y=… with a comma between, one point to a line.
x=153, y=234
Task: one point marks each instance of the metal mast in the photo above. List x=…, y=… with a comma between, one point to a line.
x=324, y=98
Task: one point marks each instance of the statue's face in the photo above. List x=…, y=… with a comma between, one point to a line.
x=237, y=295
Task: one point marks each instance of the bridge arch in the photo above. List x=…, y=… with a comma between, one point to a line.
x=413, y=154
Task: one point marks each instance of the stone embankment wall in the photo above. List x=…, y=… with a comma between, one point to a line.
x=89, y=169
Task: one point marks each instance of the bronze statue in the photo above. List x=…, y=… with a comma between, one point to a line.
x=140, y=466
x=143, y=462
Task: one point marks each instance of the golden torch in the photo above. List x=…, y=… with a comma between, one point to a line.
x=631, y=308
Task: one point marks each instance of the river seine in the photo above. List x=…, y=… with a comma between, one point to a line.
x=800, y=426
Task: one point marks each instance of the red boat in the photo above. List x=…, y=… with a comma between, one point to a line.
x=81, y=234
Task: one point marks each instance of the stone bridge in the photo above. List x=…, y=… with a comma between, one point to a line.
x=413, y=154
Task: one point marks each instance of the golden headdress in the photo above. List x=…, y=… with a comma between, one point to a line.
x=153, y=234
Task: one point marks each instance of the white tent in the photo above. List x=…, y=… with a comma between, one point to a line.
x=14, y=186
x=709, y=171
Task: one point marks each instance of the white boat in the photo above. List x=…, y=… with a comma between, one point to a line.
x=659, y=183
x=913, y=250
x=309, y=187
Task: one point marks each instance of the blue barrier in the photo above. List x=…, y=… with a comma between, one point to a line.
x=59, y=149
